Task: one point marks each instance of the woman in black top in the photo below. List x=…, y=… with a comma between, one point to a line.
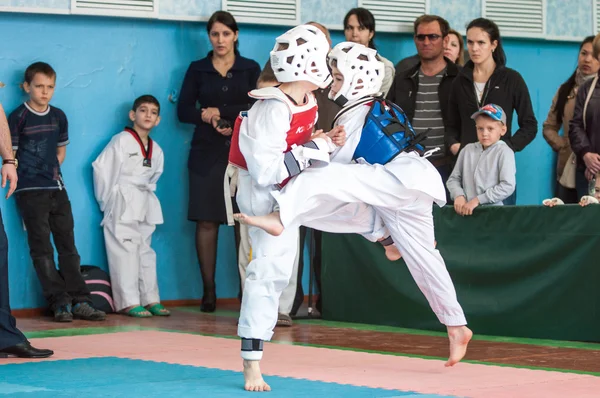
x=215, y=89
x=486, y=80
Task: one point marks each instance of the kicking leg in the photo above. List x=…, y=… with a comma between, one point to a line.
x=411, y=226
x=271, y=223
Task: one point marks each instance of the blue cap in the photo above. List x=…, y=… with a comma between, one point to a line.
x=492, y=110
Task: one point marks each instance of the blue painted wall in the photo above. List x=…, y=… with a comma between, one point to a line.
x=104, y=63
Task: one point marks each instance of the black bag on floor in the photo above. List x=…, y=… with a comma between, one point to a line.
x=98, y=282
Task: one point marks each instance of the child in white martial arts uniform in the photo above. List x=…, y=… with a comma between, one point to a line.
x=125, y=176
x=275, y=143
x=400, y=185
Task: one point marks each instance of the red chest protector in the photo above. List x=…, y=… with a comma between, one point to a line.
x=302, y=121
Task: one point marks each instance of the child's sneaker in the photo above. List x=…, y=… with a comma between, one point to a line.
x=63, y=314
x=87, y=312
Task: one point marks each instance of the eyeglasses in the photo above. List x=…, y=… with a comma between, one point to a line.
x=431, y=37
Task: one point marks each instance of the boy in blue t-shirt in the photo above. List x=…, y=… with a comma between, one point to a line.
x=39, y=135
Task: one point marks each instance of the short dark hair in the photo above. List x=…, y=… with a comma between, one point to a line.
x=365, y=18
x=226, y=19
x=145, y=99
x=427, y=18
x=38, y=67
x=267, y=75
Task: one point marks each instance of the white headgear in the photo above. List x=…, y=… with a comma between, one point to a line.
x=304, y=58
x=363, y=72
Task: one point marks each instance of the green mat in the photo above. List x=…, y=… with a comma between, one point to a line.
x=523, y=271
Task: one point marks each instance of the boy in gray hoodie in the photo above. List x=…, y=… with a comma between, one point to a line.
x=485, y=173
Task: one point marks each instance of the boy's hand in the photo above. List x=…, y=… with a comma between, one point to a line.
x=459, y=202
x=552, y=202
x=320, y=134
x=338, y=135
x=209, y=113
x=471, y=204
x=587, y=200
x=9, y=172
x=454, y=148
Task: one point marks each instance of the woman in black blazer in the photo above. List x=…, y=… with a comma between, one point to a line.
x=215, y=89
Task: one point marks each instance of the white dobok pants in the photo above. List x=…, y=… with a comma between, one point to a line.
x=132, y=264
x=316, y=197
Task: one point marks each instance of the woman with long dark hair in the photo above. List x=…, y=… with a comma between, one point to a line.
x=219, y=84
x=359, y=27
x=561, y=113
x=485, y=79
x=584, y=130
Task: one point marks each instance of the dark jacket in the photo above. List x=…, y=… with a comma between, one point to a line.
x=204, y=87
x=327, y=109
x=506, y=88
x=588, y=139
x=404, y=89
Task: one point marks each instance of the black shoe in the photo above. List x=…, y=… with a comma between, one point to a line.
x=25, y=350
x=63, y=313
x=209, y=303
x=87, y=312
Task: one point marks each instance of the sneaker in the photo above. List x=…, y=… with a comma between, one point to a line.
x=87, y=312
x=63, y=313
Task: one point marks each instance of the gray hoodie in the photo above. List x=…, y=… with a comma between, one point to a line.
x=489, y=175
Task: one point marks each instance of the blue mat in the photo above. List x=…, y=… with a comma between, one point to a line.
x=118, y=377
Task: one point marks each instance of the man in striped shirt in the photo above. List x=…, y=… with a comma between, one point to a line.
x=423, y=90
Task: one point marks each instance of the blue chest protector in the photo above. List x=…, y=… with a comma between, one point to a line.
x=386, y=132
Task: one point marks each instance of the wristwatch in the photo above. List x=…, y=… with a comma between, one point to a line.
x=14, y=162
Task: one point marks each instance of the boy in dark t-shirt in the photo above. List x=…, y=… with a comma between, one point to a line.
x=39, y=135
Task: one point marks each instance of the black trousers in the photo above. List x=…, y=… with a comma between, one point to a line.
x=316, y=236
x=9, y=334
x=48, y=212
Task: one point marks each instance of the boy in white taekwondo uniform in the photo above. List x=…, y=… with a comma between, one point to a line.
x=400, y=185
x=125, y=176
x=275, y=142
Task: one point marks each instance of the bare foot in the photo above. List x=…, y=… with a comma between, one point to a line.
x=459, y=337
x=392, y=253
x=269, y=223
x=253, y=378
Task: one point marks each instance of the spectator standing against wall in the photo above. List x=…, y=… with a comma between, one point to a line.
x=219, y=84
x=423, y=90
x=485, y=79
x=359, y=27
x=561, y=113
x=585, y=130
